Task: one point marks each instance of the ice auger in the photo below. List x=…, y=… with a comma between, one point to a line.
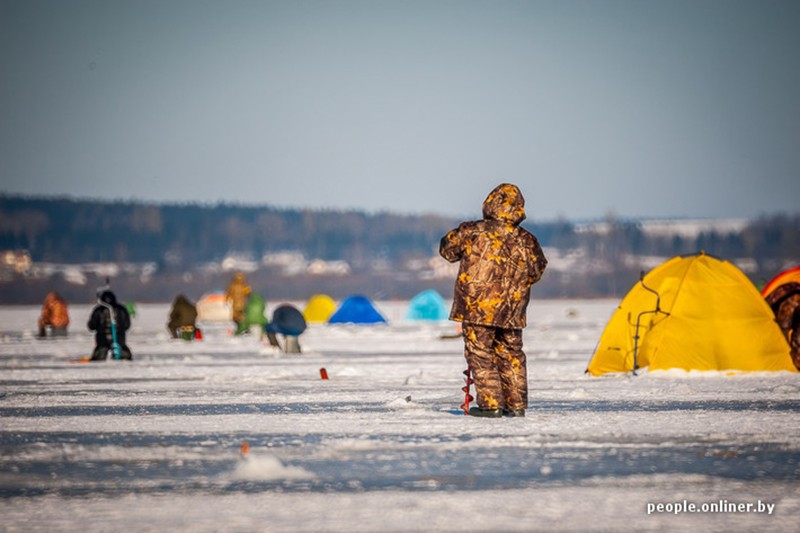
x=467, y=396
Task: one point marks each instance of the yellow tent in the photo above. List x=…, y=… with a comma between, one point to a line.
x=695, y=313
x=319, y=308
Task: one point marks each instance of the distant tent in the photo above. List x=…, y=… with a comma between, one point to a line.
x=356, y=309
x=787, y=276
x=427, y=305
x=213, y=307
x=695, y=313
x=319, y=308
x=287, y=320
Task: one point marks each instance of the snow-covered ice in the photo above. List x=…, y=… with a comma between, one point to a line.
x=157, y=444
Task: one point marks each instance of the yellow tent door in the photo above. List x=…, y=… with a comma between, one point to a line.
x=710, y=317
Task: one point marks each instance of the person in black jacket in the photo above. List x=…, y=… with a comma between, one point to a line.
x=109, y=321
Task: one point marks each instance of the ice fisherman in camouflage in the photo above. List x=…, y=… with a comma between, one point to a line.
x=499, y=263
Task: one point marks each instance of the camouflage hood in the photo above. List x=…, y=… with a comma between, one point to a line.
x=505, y=203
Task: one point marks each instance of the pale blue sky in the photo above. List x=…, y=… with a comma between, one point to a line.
x=644, y=108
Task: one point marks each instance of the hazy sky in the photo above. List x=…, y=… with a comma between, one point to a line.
x=642, y=108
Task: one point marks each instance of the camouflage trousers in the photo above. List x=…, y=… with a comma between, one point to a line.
x=498, y=366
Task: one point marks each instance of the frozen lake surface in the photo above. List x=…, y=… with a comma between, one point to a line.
x=155, y=444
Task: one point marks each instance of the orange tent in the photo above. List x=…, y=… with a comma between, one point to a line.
x=787, y=276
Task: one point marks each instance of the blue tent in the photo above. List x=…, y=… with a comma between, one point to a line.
x=356, y=309
x=427, y=305
x=286, y=320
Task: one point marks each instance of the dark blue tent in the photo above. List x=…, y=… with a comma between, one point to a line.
x=356, y=309
x=427, y=305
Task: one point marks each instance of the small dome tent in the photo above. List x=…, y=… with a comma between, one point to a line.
x=790, y=275
x=287, y=320
x=427, y=305
x=694, y=313
x=319, y=309
x=356, y=309
x=213, y=307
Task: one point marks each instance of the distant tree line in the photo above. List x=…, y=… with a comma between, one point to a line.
x=179, y=237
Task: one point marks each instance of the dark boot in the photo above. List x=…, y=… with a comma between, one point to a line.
x=100, y=353
x=485, y=413
x=273, y=339
x=513, y=412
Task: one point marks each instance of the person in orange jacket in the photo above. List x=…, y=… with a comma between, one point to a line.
x=54, y=315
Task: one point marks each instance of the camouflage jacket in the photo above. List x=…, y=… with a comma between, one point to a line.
x=499, y=263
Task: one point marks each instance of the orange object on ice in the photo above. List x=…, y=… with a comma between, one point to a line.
x=323, y=373
x=245, y=448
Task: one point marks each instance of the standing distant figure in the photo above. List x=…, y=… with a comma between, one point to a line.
x=253, y=316
x=54, y=316
x=785, y=303
x=109, y=321
x=499, y=261
x=182, y=318
x=237, y=294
